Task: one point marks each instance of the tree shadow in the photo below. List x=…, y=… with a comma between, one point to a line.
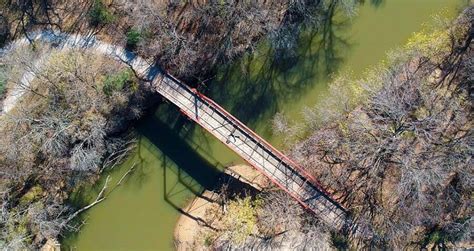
x=25, y=16
x=256, y=86
x=375, y=3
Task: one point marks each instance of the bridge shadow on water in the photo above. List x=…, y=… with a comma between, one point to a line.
x=252, y=89
x=193, y=171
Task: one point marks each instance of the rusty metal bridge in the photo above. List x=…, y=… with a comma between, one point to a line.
x=282, y=171
x=229, y=130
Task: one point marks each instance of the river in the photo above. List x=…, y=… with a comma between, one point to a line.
x=175, y=159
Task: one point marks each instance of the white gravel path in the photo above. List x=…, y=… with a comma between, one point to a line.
x=63, y=41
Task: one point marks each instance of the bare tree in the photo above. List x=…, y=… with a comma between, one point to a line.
x=401, y=161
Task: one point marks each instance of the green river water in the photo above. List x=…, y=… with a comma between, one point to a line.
x=175, y=159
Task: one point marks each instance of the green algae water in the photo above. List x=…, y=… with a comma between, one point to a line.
x=175, y=160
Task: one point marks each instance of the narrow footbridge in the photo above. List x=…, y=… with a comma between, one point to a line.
x=260, y=154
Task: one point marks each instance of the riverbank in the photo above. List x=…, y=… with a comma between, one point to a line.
x=148, y=204
x=253, y=93
x=194, y=221
x=74, y=142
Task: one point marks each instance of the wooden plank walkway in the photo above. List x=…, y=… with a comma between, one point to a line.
x=261, y=155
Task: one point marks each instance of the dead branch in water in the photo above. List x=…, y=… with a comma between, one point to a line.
x=126, y=174
x=100, y=197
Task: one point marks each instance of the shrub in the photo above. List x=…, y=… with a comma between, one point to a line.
x=2, y=87
x=339, y=241
x=3, y=80
x=4, y=30
x=133, y=37
x=117, y=81
x=240, y=220
x=33, y=194
x=100, y=15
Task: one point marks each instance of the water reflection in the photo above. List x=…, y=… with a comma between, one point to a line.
x=173, y=152
x=256, y=87
x=375, y=3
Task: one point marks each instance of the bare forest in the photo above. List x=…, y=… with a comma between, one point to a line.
x=399, y=155
x=74, y=117
x=185, y=38
x=394, y=148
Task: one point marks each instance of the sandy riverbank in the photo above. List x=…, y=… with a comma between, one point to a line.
x=193, y=221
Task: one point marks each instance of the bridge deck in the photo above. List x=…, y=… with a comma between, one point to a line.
x=260, y=154
x=229, y=130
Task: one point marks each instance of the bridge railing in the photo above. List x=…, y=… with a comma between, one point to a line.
x=260, y=140
x=272, y=163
